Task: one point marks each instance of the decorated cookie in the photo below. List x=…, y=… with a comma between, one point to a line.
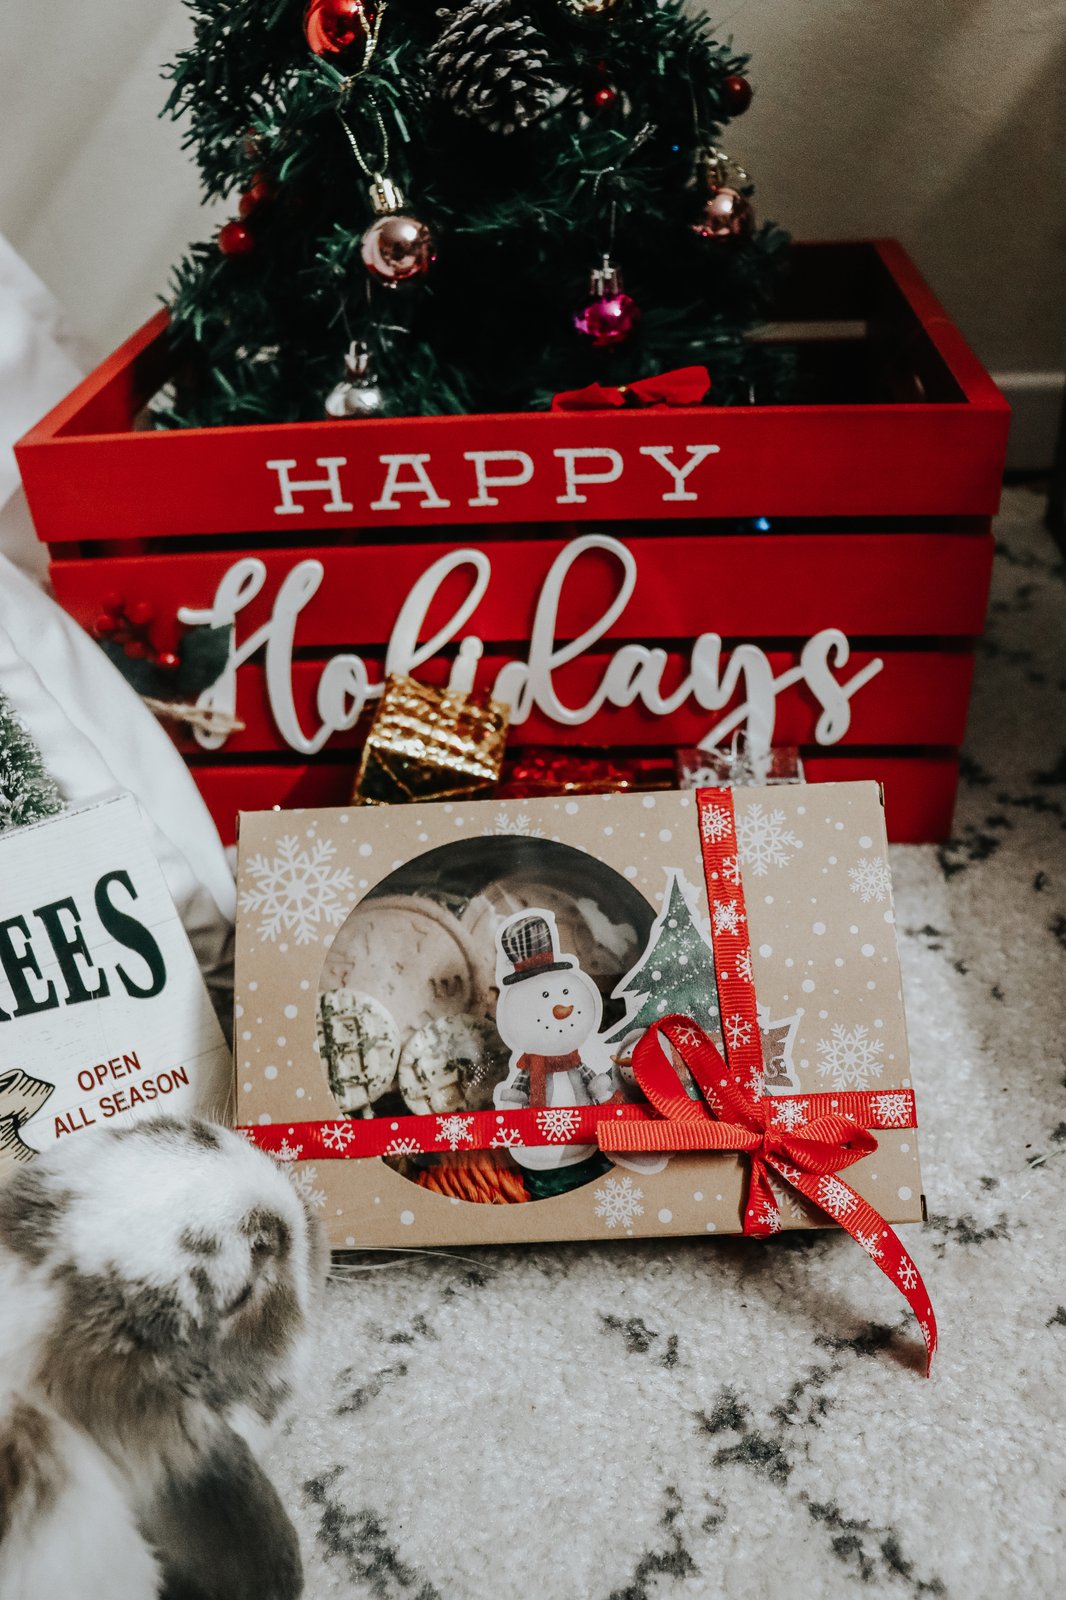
x=360, y=1045
x=410, y=954
x=452, y=1064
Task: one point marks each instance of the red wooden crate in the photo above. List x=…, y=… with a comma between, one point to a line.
x=879, y=492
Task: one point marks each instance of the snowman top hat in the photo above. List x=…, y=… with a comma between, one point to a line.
x=529, y=945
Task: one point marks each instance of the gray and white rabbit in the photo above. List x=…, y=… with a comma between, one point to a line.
x=155, y=1291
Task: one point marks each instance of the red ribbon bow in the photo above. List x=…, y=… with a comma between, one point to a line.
x=685, y=386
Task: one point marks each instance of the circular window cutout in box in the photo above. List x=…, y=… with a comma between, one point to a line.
x=481, y=975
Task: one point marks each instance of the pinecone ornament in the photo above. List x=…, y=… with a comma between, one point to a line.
x=490, y=65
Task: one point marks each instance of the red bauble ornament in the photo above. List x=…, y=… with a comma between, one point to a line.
x=168, y=661
x=141, y=613
x=340, y=30
x=736, y=92
x=599, y=93
x=236, y=240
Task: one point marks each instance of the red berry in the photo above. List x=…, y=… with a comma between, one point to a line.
x=236, y=240
x=604, y=96
x=113, y=602
x=736, y=92
x=261, y=193
x=168, y=661
x=104, y=625
x=136, y=649
x=141, y=613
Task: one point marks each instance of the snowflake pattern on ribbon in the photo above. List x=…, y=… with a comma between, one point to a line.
x=763, y=841
x=558, y=1122
x=770, y=1218
x=907, y=1273
x=454, y=1130
x=618, y=1202
x=850, y=1058
x=731, y=870
x=743, y=966
x=870, y=1244
x=835, y=1197
x=728, y=916
x=403, y=1147
x=893, y=1109
x=287, y=1151
x=870, y=879
x=505, y=1139
x=715, y=823
x=337, y=1135
x=304, y=1180
x=790, y=1114
x=737, y=1031
x=297, y=890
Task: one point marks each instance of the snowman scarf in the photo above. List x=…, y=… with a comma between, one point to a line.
x=539, y=1067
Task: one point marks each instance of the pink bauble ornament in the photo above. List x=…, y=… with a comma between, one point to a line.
x=397, y=247
x=608, y=320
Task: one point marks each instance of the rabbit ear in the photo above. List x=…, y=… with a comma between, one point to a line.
x=222, y=1533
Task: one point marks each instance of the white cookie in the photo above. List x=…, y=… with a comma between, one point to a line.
x=409, y=953
x=452, y=1064
x=360, y=1046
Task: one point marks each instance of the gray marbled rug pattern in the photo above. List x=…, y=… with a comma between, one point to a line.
x=733, y=1418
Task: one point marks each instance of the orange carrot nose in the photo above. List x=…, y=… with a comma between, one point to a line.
x=561, y=1012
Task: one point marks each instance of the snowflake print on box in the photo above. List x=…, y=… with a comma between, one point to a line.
x=504, y=826
x=870, y=879
x=763, y=841
x=296, y=890
x=850, y=1058
x=618, y=1202
x=305, y=1182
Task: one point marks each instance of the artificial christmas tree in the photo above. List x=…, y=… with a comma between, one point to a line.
x=538, y=140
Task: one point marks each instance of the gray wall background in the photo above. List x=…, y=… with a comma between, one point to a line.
x=940, y=121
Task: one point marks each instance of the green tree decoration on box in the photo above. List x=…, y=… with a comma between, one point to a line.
x=27, y=792
x=463, y=207
x=675, y=975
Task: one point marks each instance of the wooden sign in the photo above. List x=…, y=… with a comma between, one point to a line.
x=104, y=1016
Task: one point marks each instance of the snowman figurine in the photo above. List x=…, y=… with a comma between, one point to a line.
x=548, y=1015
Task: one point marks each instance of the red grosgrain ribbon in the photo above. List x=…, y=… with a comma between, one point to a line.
x=735, y=1114
x=685, y=386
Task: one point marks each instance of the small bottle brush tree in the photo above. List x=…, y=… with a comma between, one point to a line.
x=438, y=184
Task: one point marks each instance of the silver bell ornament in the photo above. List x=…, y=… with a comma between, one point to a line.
x=725, y=211
x=358, y=394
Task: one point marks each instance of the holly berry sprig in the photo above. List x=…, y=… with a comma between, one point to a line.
x=126, y=632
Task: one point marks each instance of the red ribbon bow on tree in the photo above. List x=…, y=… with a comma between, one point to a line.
x=685, y=386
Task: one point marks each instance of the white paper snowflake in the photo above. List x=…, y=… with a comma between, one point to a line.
x=297, y=890
x=516, y=827
x=715, y=823
x=506, y=1139
x=870, y=879
x=850, y=1057
x=870, y=1245
x=558, y=1122
x=287, y=1151
x=907, y=1273
x=618, y=1202
x=338, y=1135
x=403, y=1147
x=763, y=841
x=454, y=1131
x=893, y=1110
x=744, y=971
x=303, y=1181
x=791, y=1114
x=737, y=1031
x=731, y=870
x=727, y=916
x=835, y=1197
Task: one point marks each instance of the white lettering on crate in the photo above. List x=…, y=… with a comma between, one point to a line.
x=633, y=673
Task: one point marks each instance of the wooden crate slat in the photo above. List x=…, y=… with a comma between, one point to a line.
x=742, y=586
x=919, y=698
x=919, y=790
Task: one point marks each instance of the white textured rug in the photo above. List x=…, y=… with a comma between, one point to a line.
x=733, y=1418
